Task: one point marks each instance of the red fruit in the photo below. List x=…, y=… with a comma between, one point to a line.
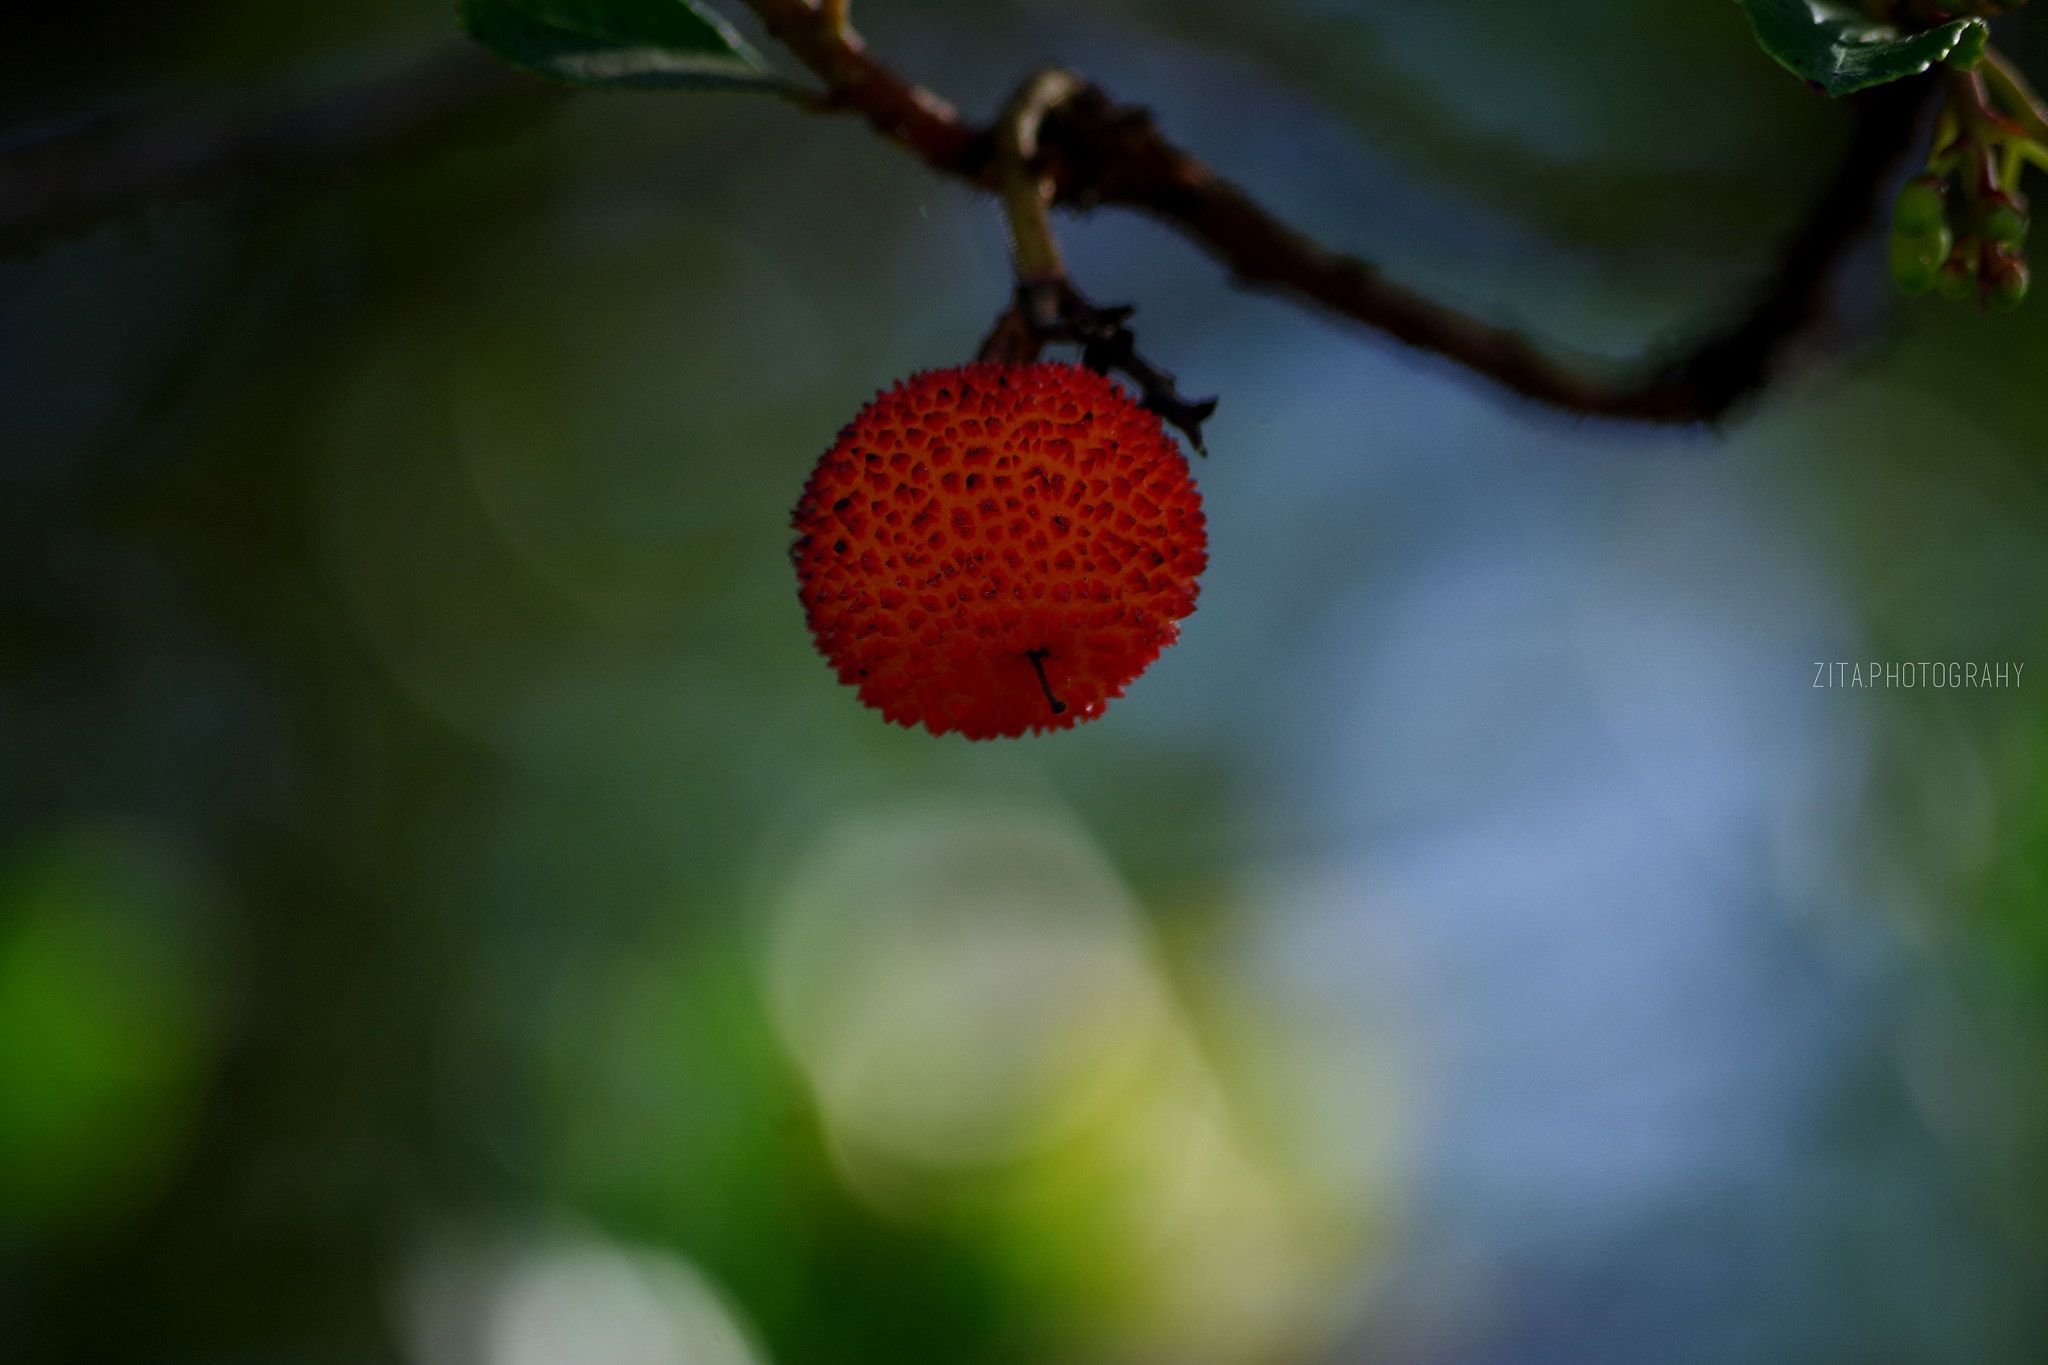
x=998, y=548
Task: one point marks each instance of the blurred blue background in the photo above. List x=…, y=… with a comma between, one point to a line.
x=450, y=915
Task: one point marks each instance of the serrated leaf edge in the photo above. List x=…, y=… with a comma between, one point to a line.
x=1860, y=31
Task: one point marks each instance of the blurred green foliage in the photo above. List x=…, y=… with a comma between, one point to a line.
x=102, y=1030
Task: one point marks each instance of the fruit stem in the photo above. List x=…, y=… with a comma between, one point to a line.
x=1946, y=148
x=1982, y=120
x=1037, y=657
x=2019, y=98
x=1027, y=189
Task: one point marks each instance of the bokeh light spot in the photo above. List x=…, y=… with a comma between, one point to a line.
x=580, y=1301
x=958, y=985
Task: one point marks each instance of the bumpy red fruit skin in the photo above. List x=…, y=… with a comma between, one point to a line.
x=971, y=519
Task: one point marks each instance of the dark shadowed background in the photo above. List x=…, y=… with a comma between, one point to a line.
x=450, y=915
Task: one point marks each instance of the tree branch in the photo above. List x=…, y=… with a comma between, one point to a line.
x=1133, y=165
x=911, y=115
x=1095, y=151
x=1103, y=153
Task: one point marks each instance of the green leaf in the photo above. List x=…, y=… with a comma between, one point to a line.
x=617, y=44
x=1840, y=50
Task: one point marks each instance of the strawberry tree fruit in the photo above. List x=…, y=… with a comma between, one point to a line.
x=994, y=549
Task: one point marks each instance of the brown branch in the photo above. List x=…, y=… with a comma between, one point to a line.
x=1098, y=153
x=1134, y=165
x=71, y=180
x=854, y=80
x=1109, y=154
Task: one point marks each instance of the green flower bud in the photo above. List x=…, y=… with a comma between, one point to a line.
x=1919, y=209
x=1957, y=279
x=1917, y=260
x=2002, y=220
x=2005, y=282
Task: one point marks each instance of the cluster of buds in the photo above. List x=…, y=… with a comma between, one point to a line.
x=1960, y=227
x=1961, y=244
